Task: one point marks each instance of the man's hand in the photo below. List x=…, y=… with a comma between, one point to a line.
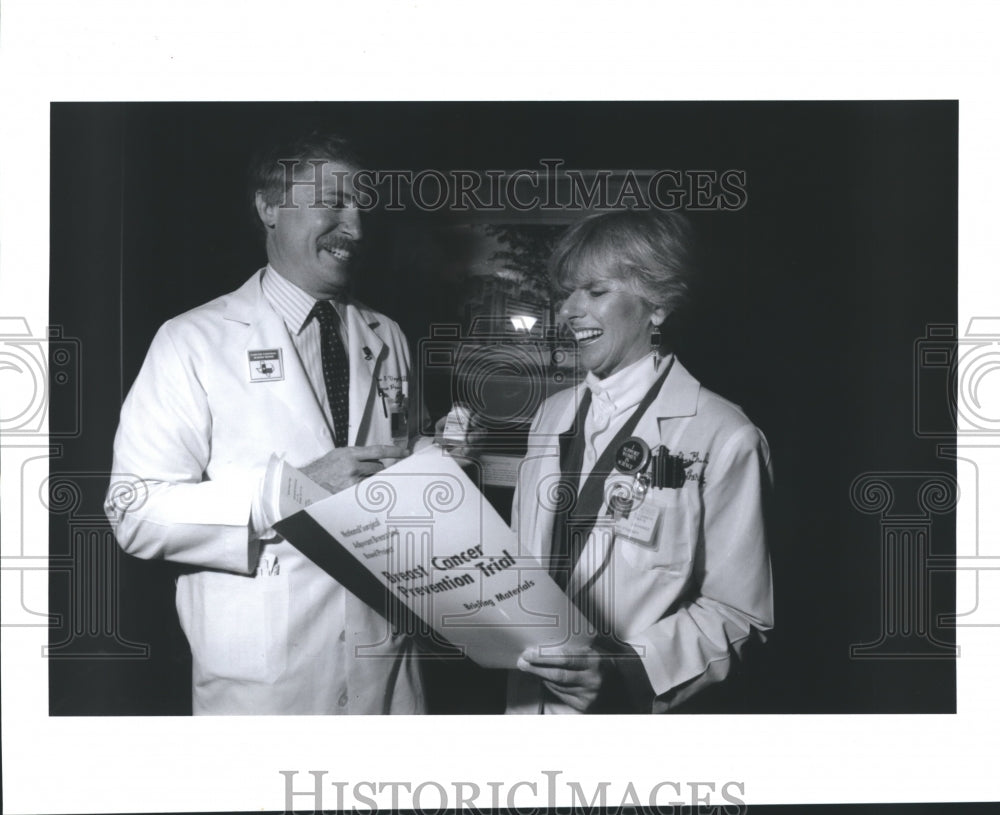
x=574, y=677
x=346, y=466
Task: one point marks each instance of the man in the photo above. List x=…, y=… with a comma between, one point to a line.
x=286, y=364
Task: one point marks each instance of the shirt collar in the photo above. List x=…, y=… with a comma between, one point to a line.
x=292, y=304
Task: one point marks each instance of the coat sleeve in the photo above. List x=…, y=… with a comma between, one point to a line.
x=732, y=602
x=534, y=446
x=160, y=503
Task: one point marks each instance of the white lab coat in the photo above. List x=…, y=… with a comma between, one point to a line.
x=269, y=631
x=690, y=602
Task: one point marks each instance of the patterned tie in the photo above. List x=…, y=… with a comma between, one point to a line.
x=336, y=374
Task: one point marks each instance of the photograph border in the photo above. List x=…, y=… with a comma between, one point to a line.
x=79, y=764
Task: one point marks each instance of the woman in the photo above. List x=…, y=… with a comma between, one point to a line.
x=652, y=516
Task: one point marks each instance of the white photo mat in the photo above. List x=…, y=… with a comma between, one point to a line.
x=92, y=51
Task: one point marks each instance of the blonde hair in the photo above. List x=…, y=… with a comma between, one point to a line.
x=649, y=250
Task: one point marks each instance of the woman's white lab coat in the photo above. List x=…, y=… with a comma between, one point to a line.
x=690, y=599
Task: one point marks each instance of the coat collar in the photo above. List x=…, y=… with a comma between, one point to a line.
x=678, y=397
x=248, y=305
x=679, y=394
x=366, y=349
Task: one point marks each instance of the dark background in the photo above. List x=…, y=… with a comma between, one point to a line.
x=813, y=297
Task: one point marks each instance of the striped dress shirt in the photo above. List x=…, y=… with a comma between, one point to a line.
x=294, y=306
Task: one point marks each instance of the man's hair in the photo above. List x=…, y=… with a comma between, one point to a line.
x=267, y=168
x=649, y=250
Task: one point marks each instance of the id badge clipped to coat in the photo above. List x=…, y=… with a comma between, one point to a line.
x=636, y=519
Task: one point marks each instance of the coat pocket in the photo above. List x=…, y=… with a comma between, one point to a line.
x=238, y=626
x=670, y=546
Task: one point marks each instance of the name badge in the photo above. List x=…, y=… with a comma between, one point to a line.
x=639, y=526
x=265, y=365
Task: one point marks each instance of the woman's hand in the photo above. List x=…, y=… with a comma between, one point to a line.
x=574, y=676
x=460, y=434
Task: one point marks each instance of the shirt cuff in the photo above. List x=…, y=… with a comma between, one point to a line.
x=627, y=687
x=261, y=513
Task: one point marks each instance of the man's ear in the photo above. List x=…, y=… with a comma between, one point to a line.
x=268, y=213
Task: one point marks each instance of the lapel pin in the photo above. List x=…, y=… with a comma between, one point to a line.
x=367, y=352
x=632, y=456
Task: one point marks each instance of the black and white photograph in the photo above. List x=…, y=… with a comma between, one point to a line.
x=447, y=417
x=654, y=308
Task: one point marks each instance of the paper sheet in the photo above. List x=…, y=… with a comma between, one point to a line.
x=427, y=534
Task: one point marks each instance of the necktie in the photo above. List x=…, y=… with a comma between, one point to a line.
x=336, y=374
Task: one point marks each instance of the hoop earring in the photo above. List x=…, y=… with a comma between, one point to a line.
x=655, y=338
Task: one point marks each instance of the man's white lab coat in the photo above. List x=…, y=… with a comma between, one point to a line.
x=269, y=631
